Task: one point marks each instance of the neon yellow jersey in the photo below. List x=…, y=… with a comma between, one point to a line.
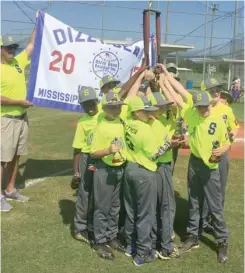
x=202, y=132
x=189, y=100
x=105, y=132
x=162, y=135
x=141, y=144
x=168, y=120
x=116, y=89
x=84, y=132
x=226, y=113
x=13, y=83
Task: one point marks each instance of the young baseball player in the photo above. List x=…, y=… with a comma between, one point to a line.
x=109, y=150
x=208, y=140
x=226, y=113
x=140, y=181
x=83, y=178
x=166, y=201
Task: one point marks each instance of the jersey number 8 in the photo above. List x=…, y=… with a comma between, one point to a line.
x=212, y=128
x=129, y=142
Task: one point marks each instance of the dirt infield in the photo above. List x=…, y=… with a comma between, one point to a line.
x=237, y=149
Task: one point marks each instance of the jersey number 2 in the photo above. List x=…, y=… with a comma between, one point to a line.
x=212, y=128
x=129, y=142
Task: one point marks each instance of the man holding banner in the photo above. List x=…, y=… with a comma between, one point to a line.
x=14, y=122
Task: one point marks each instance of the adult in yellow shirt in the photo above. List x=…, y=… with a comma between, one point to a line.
x=140, y=180
x=208, y=141
x=81, y=144
x=214, y=88
x=109, y=149
x=14, y=122
x=165, y=207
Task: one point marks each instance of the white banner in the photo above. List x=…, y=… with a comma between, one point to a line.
x=65, y=59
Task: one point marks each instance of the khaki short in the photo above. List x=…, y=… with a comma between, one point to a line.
x=14, y=138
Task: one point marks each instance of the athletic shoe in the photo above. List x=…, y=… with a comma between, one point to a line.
x=222, y=256
x=103, y=251
x=165, y=255
x=116, y=244
x=5, y=206
x=189, y=243
x=130, y=251
x=140, y=260
x=15, y=195
x=82, y=236
x=155, y=253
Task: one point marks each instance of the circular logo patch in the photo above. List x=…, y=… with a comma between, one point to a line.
x=105, y=63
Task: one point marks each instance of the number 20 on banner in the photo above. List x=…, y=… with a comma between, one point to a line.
x=68, y=62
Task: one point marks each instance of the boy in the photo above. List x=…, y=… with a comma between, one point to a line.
x=108, y=148
x=140, y=181
x=205, y=130
x=226, y=113
x=81, y=145
x=166, y=201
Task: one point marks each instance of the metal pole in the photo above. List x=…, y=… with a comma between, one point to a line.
x=166, y=30
x=214, y=7
x=234, y=38
x=102, y=22
x=205, y=36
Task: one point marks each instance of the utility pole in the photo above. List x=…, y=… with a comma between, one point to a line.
x=234, y=38
x=205, y=43
x=102, y=21
x=214, y=7
x=166, y=30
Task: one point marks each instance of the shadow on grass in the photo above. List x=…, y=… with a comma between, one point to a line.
x=181, y=220
x=181, y=216
x=67, y=211
x=35, y=168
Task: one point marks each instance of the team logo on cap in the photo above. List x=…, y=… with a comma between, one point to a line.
x=105, y=63
x=10, y=39
x=199, y=97
x=86, y=92
x=213, y=81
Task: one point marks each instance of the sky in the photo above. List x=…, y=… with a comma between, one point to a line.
x=122, y=23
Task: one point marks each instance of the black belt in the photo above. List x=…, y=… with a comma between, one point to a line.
x=21, y=117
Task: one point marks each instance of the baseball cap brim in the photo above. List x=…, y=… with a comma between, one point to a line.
x=201, y=104
x=114, y=82
x=10, y=44
x=90, y=99
x=227, y=96
x=165, y=103
x=114, y=103
x=146, y=108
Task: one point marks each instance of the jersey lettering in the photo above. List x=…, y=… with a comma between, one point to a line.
x=18, y=68
x=212, y=128
x=129, y=142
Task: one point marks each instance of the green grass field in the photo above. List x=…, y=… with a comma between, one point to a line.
x=36, y=236
x=238, y=109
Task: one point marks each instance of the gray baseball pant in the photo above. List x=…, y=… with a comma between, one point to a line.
x=107, y=183
x=83, y=203
x=223, y=170
x=166, y=207
x=139, y=197
x=205, y=182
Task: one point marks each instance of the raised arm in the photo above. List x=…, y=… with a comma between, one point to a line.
x=30, y=46
x=126, y=87
x=165, y=90
x=175, y=84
